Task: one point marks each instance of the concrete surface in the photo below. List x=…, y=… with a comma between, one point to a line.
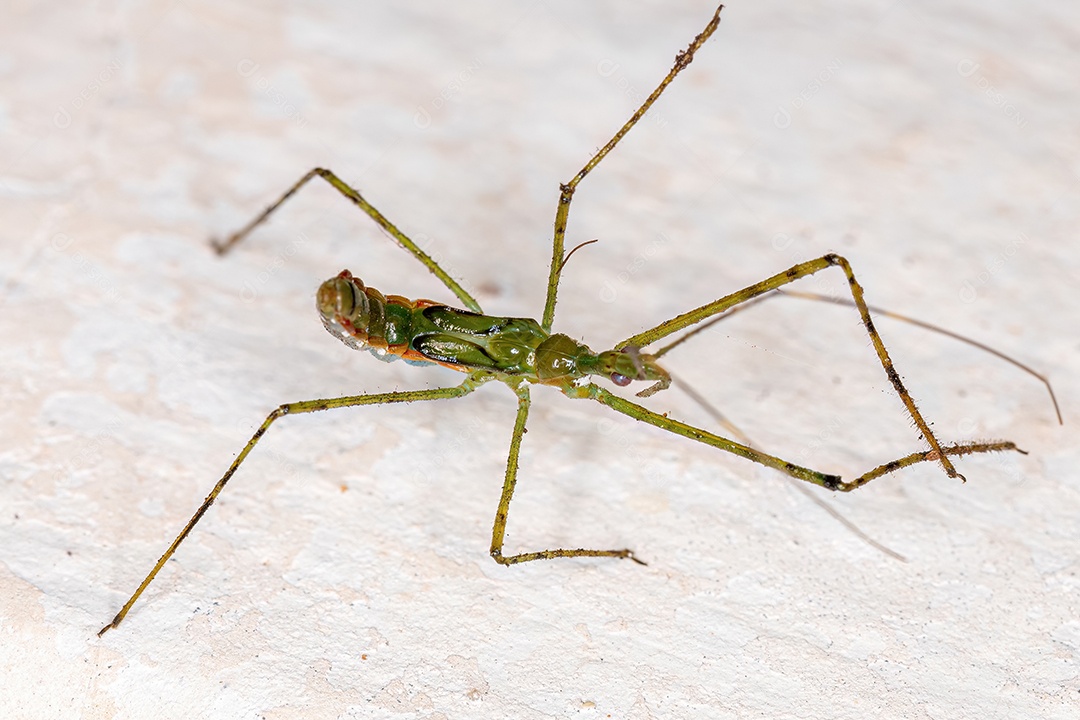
x=344, y=573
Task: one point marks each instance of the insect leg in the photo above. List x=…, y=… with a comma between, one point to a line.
x=305, y=406
x=817, y=297
x=790, y=275
x=354, y=195
x=825, y=480
x=498, y=531
x=566, y=191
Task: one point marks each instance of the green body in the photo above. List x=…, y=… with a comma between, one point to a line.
x=423, y=332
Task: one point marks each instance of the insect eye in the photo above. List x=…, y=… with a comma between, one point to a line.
x=620, y=380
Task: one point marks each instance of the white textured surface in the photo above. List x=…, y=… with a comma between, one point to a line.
x=344, y=572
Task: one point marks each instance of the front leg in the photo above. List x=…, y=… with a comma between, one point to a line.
x=498, y=531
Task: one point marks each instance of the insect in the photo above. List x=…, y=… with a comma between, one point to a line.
x=520, y=352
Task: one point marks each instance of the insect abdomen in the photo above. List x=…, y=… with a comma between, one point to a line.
x=365, y=319
x=423, y=331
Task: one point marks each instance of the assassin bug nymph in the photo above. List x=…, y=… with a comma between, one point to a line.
x=520, y=352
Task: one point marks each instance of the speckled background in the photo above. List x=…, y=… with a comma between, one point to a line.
x=345, y=573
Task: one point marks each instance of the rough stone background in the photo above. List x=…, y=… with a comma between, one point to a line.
x=345, y=573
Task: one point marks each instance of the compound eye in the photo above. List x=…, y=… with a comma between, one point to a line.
x=620, y=380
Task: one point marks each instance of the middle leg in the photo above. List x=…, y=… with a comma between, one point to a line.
x=498, y=531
